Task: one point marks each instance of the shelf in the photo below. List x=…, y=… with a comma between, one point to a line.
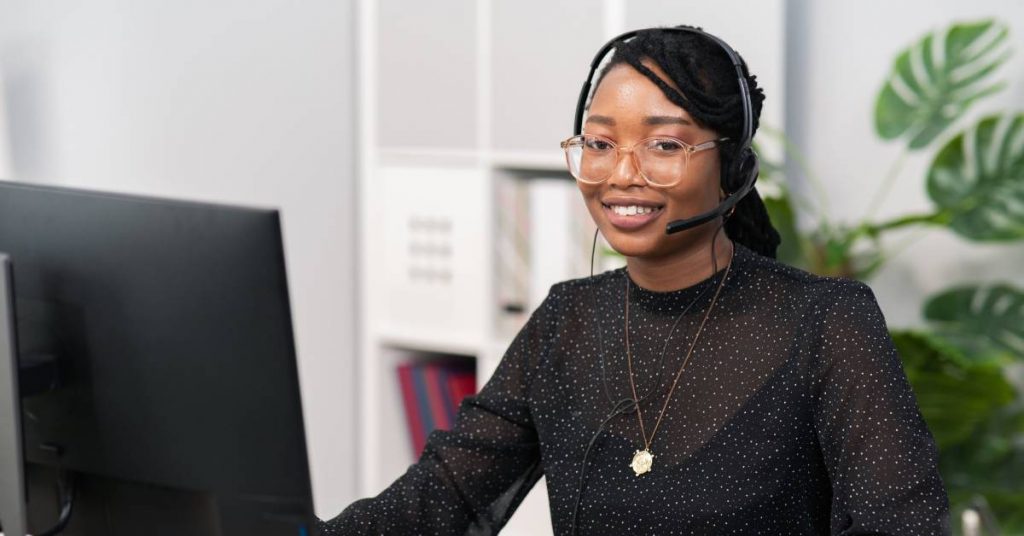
x=428, y=342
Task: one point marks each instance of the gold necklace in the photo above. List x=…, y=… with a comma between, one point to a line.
x=643, y=459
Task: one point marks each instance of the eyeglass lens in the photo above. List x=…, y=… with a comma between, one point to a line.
x=661, y=160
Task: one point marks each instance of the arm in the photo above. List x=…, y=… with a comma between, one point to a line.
x=881, y=457
x=476, y=474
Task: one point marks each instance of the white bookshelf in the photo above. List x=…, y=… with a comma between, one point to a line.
x=454, y=97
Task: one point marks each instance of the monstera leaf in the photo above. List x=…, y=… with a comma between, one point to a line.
x=990, y=463
x=934, y=81
x=981, y=321
x=970, y=408
x=955, y=394
x=979, y=178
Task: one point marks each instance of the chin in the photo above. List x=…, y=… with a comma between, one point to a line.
x=652, y=243
x=639, y=246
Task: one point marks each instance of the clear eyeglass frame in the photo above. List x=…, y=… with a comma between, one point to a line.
x=579, y=143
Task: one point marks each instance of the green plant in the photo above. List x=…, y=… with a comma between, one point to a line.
x=960, y=366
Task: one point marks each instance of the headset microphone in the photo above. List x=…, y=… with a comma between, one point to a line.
x=723, y=208
x=743, y=165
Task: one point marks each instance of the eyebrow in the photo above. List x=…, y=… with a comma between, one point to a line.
x=601, y=120
x=651, y=120
x=665, y=120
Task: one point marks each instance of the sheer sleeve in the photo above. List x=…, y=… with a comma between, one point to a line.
x=469, y=479
x=881, y=457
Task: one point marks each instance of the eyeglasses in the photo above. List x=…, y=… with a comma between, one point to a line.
x=661, y=160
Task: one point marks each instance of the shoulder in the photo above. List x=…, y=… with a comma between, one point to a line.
x=569, y=298
x=584, y=284
x=826, y=307
x=577, y=297
x=837, y=318
x=799, y=288
x=584, y=289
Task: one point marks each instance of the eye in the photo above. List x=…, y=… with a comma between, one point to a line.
x=664, y=146
x=596, y=144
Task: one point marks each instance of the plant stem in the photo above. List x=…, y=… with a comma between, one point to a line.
x=886, y=255
x=821, y=210
x=870, y=230
x=886, y=185
x=904, y=244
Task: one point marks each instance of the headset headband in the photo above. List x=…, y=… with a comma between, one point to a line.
x=741, y=75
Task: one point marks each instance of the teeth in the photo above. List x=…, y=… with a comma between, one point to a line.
x=631, y=210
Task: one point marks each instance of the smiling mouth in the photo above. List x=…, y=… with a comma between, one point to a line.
x=632, y=210
x=631, y=217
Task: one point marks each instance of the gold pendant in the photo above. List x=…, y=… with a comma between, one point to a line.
x=642, y=461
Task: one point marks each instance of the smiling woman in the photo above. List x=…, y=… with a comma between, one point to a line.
x=705, y=388
x=667, y=178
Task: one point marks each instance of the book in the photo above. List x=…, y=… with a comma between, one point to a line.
x=544, y=234
x=511, y=244
x=432, y=391
x=440, y=416
x=417, y=433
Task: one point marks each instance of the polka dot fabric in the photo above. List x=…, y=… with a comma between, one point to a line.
x=794, y=416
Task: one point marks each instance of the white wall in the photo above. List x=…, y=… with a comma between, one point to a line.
x=6, y=167
x=838, y=56
x=247, y=102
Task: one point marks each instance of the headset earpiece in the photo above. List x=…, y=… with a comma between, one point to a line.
x=741, y=170
x=748, y=167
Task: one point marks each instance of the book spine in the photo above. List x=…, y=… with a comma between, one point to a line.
x=551, y=235
x=461, y=385
x=435, y=400
x=417, y=435
x=422, y=406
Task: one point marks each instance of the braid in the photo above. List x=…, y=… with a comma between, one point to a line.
x=751, y=226
x=708, y=91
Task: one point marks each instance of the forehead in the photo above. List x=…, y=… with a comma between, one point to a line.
x=624, y=90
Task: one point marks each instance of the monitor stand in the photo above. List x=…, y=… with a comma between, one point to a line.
x=12, y=464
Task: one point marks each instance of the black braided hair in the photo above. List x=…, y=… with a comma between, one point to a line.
x=708, y=91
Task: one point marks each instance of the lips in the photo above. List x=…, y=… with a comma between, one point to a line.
x=629, y=214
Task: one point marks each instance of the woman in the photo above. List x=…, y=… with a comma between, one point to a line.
x=705, y=388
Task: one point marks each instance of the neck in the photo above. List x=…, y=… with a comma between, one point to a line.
x=683, y=269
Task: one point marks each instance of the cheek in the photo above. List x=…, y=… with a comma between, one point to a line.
x=702, y=191
x=685, y=198
x=591, y=193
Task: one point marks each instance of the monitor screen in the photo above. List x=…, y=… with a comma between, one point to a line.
x=174, y=407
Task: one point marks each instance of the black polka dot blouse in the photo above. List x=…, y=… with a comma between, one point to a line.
x=793, y=416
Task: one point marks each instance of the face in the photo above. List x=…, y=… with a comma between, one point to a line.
x=627, y=107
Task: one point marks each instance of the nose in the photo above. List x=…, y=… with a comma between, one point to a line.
x=626, y=172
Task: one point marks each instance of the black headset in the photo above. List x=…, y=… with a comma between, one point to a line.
x=743, y=165
x=745, y=162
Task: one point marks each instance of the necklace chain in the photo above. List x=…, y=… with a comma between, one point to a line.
x=629, y=362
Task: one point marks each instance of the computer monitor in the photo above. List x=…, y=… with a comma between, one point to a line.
x=12, y=464
x=170, y=395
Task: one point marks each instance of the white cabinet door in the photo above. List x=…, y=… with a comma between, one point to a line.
x=435, y=256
